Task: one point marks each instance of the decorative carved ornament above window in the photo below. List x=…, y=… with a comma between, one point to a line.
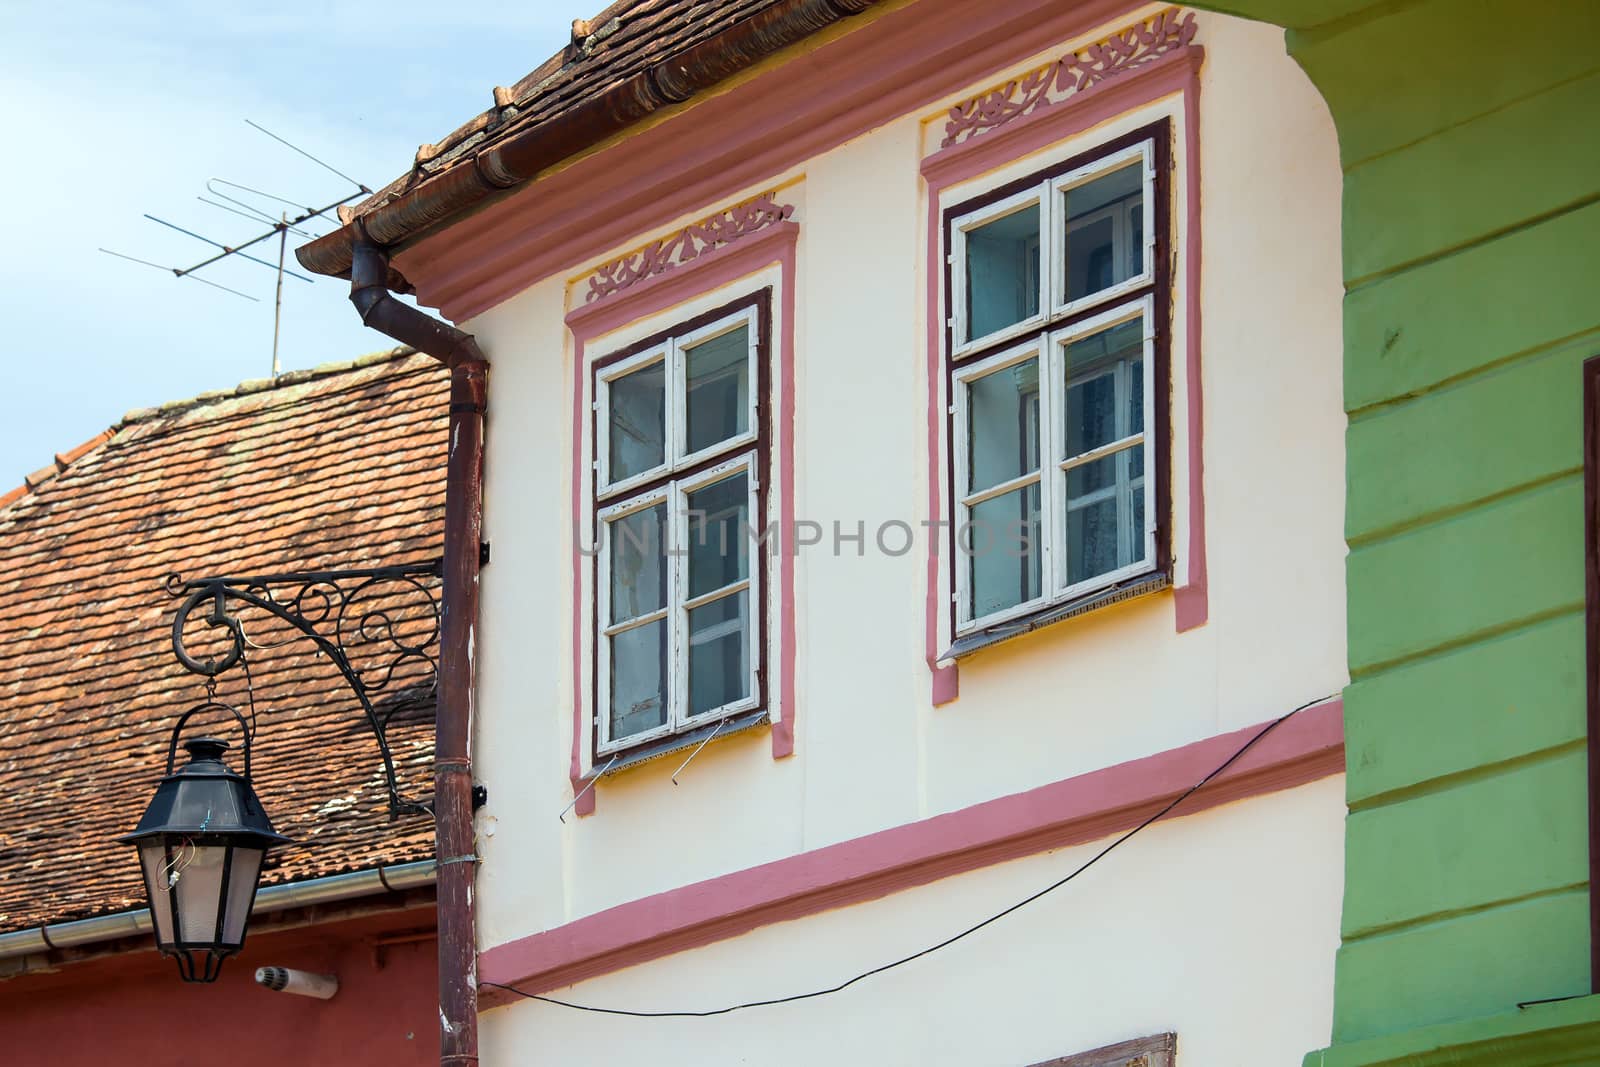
x=1123, y=51
x=723, y=228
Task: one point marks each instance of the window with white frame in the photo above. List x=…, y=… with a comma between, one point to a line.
x=1057, y=364
x=679, y=440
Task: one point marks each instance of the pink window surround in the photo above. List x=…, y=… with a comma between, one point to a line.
x=1176, y=72
x=887, y=66
x=1088, y=807
x=728, y=263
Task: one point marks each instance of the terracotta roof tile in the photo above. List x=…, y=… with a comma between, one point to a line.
x=623, y=40
x=336, y=468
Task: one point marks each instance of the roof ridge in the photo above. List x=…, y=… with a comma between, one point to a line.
x=32, y=482
x=263, y=385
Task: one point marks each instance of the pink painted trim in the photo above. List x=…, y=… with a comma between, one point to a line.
x=585, y=800
x=729, y=263
x=946, y=680
x=694, y=240
x=661, y=291
x=1175, y=72
x=1191, y=602
x=726, y=144
x=1086, y=808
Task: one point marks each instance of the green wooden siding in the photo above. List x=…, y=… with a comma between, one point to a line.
x=1469, y=134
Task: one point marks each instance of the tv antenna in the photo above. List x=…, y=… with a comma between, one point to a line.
x=245, y=201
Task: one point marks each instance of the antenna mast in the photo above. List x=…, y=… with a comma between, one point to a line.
x=279, y=227
x=277, y=310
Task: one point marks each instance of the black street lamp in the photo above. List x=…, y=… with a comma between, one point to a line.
x=201, y=843
x=203, y=839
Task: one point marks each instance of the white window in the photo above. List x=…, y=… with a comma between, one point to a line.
x=678, y=510
x=1056, y=372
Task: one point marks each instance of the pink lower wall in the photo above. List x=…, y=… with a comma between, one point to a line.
x=133, y=1009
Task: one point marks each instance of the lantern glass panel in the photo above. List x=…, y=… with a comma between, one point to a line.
x=241, y=893
x=199, y=891
x=154, y=860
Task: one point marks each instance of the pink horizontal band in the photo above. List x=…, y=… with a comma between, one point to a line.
x=1087, y=807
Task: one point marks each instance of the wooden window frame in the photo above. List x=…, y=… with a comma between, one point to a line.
x=1152, y=289
x=1159, y=1050
x=681, y=473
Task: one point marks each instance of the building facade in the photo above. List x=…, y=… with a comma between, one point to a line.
x=1103, y=383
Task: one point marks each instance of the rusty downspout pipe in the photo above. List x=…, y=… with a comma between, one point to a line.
x=463, y=533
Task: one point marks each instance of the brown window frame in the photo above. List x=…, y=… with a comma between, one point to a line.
x=1159, y=441
x=760, y=302
x=1159, y=1050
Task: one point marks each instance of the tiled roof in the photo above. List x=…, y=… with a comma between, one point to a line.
x=608, y=49
x=632, y=60
x=337, y=468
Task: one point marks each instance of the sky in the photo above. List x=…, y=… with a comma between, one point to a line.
x=112, y=109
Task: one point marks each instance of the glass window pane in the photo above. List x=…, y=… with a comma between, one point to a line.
x=638, y=555
x=1091, y=413
x=719, y=667
x=1002, y=272
x=1093, y=477
x=638, y=679
x=1136, y=396
x=1092, y=417
x=637, y=430
x=1105, y=514
x=1136, y=492
x=719, y=525
x=1092, y=536
x=1002, y=542
x=718, y=375
x=1003, y=425
x=1105, y=231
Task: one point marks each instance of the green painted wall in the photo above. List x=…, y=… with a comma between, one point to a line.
x=1470, y=139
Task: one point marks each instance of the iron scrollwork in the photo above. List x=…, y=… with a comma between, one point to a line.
x=393, y=613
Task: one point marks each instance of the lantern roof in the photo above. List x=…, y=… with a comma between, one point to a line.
x=205, y=799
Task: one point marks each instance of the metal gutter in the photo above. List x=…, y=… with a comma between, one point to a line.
x=519, y=156
x=334, y=887
x=455, y=844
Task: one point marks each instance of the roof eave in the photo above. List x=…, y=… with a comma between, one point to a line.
x=519, y=157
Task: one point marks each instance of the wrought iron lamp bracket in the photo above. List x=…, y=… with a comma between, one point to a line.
x=327, y=608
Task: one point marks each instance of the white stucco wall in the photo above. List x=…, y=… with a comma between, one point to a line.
x=1152, y=939
x=1213, y=923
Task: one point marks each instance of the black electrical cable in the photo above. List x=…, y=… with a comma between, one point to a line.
x=1052, y=887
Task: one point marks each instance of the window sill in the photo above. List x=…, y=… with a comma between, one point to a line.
x=665, y=746
x=1140, y=586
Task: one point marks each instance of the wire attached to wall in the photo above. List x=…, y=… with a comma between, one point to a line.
x=902, y=961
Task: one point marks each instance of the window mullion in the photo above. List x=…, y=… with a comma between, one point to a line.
x=1052, y=443
x=1122, y=394
x=1147, y=538
x=676, y=399
x=1052, y=245
x=677, y=626
x=602, y=644
x=959, y=512
x=753, y=592
x=1149, y=209
x=1052, y=274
